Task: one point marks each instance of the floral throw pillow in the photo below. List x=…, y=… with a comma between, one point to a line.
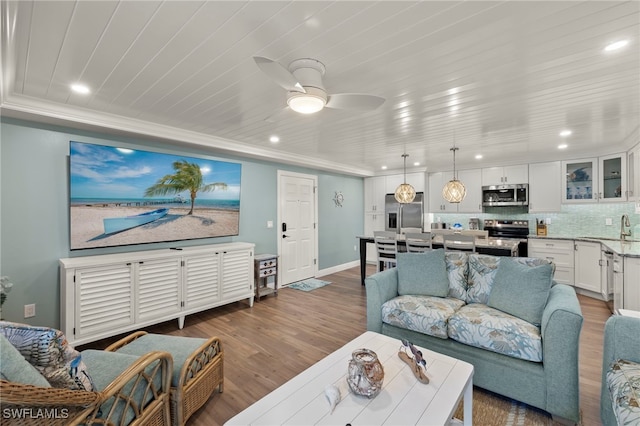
x=49, y=352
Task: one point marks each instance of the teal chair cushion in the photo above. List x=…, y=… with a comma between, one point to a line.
x=521, y=290
x=623, y=381
x=106, y=367
x=424, y=314
x=179, y=347
x=423, y=274
x=15, y=368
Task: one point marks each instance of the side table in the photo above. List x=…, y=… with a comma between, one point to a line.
x=266, y=265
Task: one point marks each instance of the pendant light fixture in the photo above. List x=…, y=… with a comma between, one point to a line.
x=405, y=193
x=454, y=191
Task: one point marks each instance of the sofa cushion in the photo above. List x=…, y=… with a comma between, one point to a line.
x=424, y=314
x=457, y=270
x=482, y=272
x=15, y=368
x=49, y=352
x=487, y=328
x=623, y=381
x=422, y=274
x=521, y=290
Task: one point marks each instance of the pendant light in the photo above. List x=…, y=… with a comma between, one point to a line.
x=454, y=191
x=405, y=192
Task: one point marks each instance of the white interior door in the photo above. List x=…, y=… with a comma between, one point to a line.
x=297, y=237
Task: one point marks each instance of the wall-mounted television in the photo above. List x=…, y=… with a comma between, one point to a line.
x=120, y=196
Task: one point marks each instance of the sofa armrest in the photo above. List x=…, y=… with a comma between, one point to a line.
x=381, y=287
x=561, y=326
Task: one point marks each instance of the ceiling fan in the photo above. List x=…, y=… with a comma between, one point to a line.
x=305, y=91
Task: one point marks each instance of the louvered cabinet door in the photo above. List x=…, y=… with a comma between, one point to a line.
x=237, y=273
x=158, y=288
x=104, y=298
x=201, y=280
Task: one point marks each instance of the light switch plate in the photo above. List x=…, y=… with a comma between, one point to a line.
x=608, y=221
x=269, y=224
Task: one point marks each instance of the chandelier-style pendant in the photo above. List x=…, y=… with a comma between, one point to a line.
x=405, y=193
x=454, y=191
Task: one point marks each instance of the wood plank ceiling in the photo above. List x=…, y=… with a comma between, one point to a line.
x=500, y=79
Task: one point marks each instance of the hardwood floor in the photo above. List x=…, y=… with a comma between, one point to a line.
x=279, y=337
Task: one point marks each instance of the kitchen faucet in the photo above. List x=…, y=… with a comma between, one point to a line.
x=624, y=221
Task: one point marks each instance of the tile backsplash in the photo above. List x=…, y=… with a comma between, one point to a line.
x=583, y=220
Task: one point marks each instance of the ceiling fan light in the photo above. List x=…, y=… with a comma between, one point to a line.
x=454, y=191
x=405, y=193
x=307, y=103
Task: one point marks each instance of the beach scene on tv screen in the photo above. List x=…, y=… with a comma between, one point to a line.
x=120, y=196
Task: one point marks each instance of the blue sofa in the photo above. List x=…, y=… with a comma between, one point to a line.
x=621, y=372
x=533, y=363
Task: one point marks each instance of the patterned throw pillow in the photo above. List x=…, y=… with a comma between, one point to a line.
x=49, y=352
x=623, y=380
x=457, y=270
x=482, y=272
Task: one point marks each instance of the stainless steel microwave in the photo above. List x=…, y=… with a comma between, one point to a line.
x=505, y=195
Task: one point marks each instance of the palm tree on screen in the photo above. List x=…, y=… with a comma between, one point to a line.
x=187, y=177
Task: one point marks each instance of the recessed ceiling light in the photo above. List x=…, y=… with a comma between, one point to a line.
x=565, y=133
x=384, y=167
x=416, y=163
x=478, y=156
x=563, y=146
x=274, y=139
x=80, y=88
x=616, y=45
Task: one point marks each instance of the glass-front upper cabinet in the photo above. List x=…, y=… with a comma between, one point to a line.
x=580, y=181
x=591, y=180
x=613, y=178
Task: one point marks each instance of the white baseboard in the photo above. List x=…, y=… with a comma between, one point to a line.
x=337, y=268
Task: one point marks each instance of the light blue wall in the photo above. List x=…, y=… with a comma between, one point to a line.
x=34, y=217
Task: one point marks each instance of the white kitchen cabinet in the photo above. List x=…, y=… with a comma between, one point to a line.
x=613, y=178
x=633, y=173
x=437, y=204
x=545, y=192
x=631, y=284
x=591, y=180
x=505, y=175
x=618, y=282
x=374, y=192
x=560, y=252
x=588, y=266
x=105, y=295
x=472, y=180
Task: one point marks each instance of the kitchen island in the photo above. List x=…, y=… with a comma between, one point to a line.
x=490, y=245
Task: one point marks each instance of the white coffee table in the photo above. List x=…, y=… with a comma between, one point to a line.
x=402, y=401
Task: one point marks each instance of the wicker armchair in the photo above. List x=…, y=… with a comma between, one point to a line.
x=149, y=376
x=197, y=369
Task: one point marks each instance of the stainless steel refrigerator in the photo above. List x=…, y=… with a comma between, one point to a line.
x=409, y=215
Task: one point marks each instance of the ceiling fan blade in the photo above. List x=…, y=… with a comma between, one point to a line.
x=279, y=74
x=354, y=101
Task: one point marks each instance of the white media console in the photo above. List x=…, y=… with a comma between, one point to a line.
x=105, y=295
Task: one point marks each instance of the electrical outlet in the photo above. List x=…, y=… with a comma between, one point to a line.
x=355, y=248
x=269, y=224
x=30, y=310
x=547, y=221
x=608, y=221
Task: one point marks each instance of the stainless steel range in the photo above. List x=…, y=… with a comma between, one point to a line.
x=508, y=229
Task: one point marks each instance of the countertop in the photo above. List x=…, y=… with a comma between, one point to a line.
x=490, y=242
x=626, y=249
